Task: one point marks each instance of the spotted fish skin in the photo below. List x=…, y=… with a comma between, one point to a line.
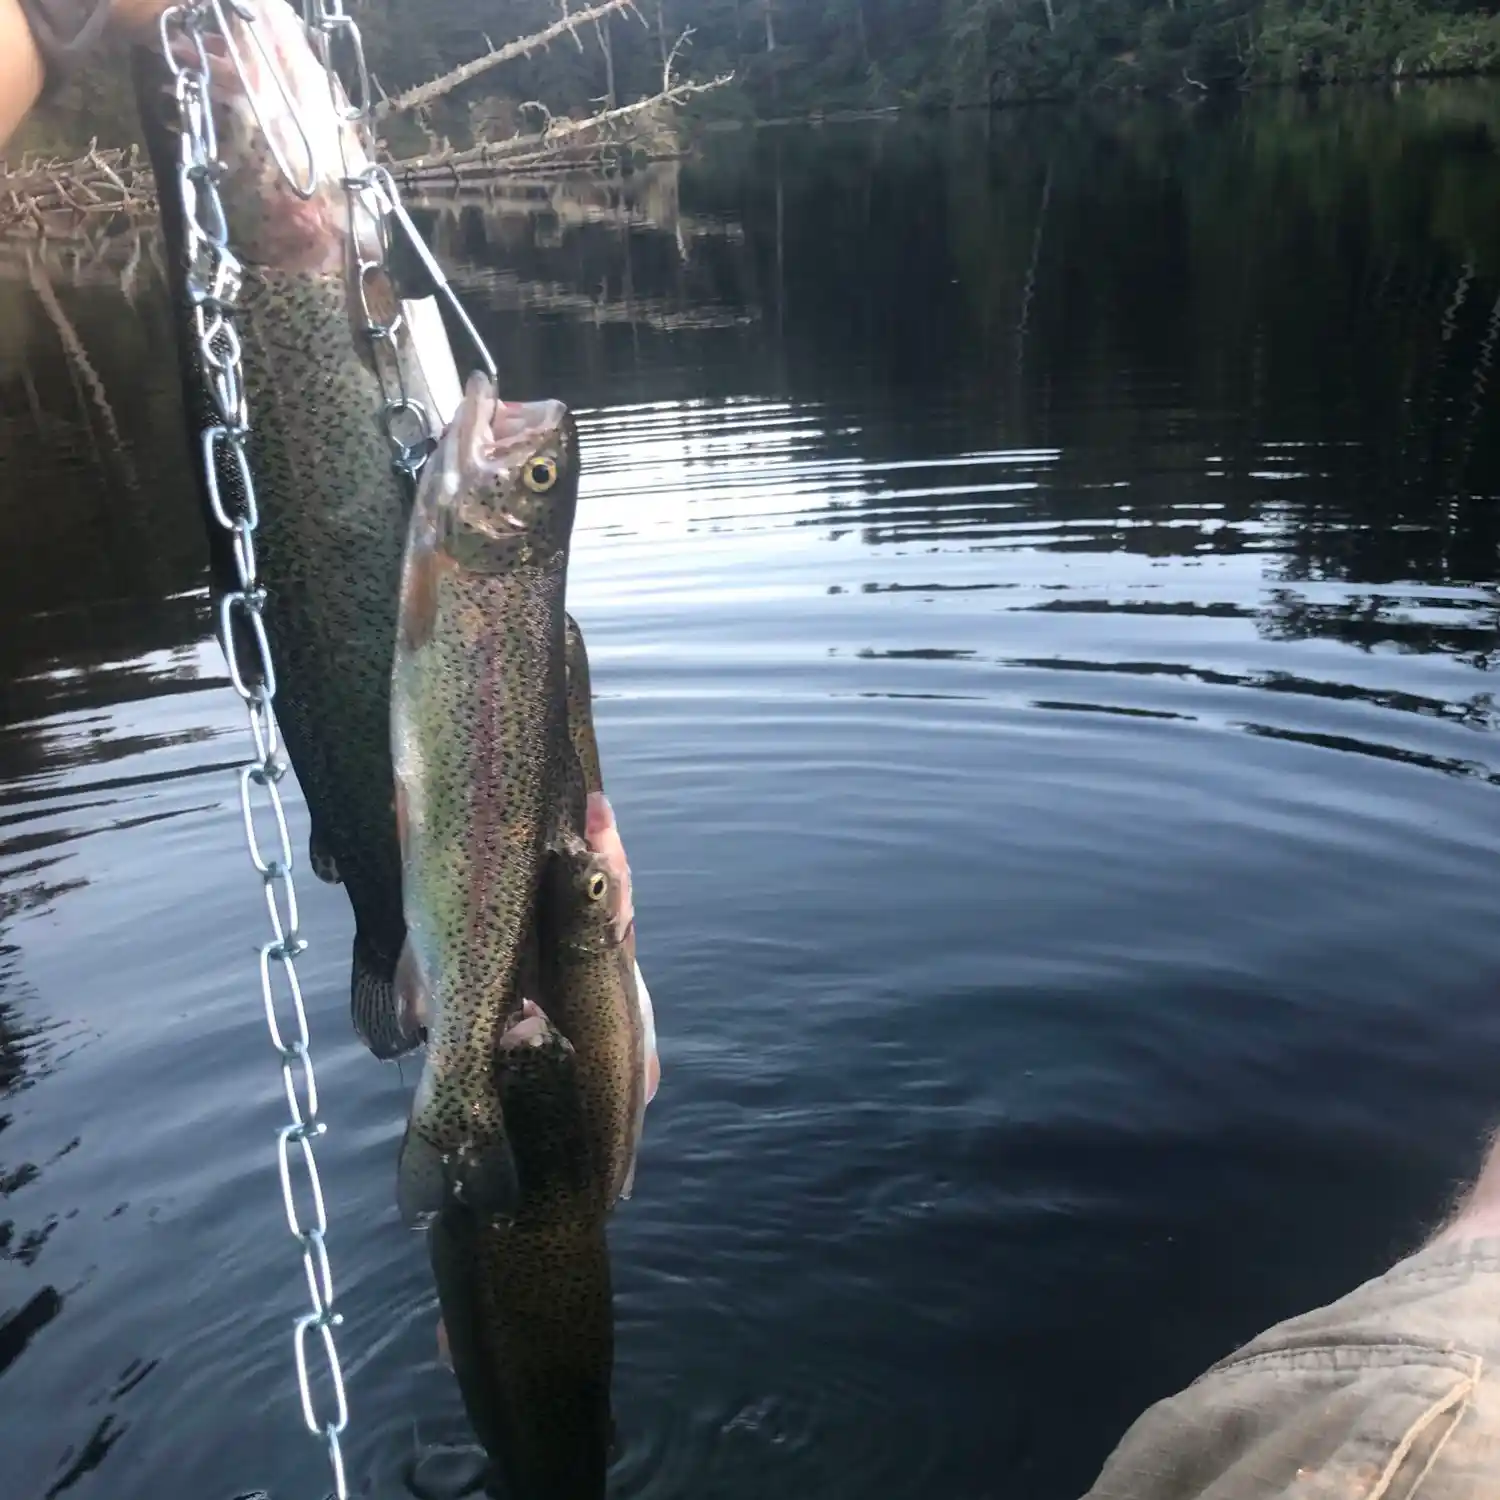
x=478, y=733
x=592, y=980
x=588, y=982
x=527, y=1305
x=586, y=952
x=581, y=707
x=332, y=509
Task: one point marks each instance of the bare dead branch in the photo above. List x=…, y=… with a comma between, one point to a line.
x=435, y=88
x=105, y=169
x=671, y=57
x=39, y=195
x=557, y=136
x=560, y=130
x=46, y=200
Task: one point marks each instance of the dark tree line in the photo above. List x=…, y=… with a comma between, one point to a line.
x=794, y=57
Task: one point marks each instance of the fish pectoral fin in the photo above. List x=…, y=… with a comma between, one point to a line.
x=421, y=1181
x=651, y=1078
x=486, y=1180
x=481, y=1176
x=648, y=1026
x=410, y=992
x=320, y=861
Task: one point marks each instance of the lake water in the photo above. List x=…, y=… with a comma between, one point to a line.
x=1040, y=575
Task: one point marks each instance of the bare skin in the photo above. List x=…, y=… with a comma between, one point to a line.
x=21, y=71
x=1478, y=1213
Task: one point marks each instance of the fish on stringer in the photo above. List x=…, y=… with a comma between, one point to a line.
x=333, y=510
x=526, y=1123
x=478, y=729
x=527, y=1305
x=590, y=979
x=528, y=1301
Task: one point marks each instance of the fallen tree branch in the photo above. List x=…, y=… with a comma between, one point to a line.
x=554, y=139
x=435, y=88
x=560, y=130
x=46, y=199
x=671, y=57
x=44, y=194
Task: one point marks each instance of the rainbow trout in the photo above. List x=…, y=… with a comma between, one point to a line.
x=527, y=1305
x=590, y=984
x=333, y=511
x=486, y=782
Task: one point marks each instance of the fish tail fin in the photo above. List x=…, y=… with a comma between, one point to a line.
x=385, y=1019
x=480, y=1175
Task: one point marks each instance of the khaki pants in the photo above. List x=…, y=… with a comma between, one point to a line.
x=1390, y=1393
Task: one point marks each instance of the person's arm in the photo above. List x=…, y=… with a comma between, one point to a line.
x=39, y=35
x=21, y=70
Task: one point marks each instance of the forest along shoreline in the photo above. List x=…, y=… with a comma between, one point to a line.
x=607, y=81
x=595, y=91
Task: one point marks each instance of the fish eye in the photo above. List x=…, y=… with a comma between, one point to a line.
x=540, y=474
x=597, y=885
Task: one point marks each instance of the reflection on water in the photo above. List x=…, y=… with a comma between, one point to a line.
x=26, y=1052
x=1040, y=575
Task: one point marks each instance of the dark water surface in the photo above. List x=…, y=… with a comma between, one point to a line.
x=1041, y=581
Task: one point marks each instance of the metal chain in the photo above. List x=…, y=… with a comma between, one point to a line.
x=213, y=281
x=213, y=276
x=374, y=198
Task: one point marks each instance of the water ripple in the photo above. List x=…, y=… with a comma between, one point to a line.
x=1045, y=683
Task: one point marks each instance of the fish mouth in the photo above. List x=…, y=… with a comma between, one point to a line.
x=283, y=140
x=491, y=440
x=263, y=63
x=493, y=433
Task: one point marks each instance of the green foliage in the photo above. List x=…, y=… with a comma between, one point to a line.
x=1346, y=39
x=832, y=55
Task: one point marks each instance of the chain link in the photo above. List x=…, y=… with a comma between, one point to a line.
x=213, y=278
x=374, y=206
x=213, y=281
